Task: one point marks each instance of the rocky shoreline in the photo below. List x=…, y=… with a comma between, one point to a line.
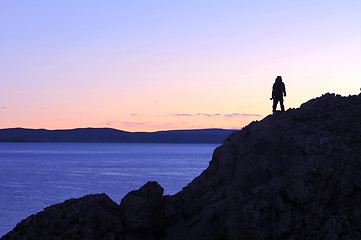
x=293, y=175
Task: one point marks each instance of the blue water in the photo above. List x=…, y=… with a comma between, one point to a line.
x=36, y=175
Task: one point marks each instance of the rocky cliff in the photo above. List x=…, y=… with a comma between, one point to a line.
x=293, y=175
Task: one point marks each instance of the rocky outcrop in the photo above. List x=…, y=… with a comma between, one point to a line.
x=93, y=215
x=293, y=175
x=142, y=213
x=290, y=176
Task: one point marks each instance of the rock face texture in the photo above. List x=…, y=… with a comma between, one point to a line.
x=293, y=175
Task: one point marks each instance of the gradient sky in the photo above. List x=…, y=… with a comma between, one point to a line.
x=156, y=65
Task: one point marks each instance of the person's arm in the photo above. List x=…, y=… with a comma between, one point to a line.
x=284, y=90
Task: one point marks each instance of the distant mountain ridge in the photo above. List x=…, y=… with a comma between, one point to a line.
x=94, y=135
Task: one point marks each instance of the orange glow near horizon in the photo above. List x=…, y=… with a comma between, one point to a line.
x=150, y=67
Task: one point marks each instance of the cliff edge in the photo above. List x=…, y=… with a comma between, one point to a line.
x=293, y=175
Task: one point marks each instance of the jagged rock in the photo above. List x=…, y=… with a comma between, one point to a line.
x=142, y=211
x=90, y=217
x=293, y=175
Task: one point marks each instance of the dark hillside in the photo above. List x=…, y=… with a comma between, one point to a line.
x=293, y=175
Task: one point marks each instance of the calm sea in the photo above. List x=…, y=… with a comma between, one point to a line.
x=36, y=175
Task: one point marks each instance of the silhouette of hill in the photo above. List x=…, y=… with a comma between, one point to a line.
x=293, y=175
x=93, y=135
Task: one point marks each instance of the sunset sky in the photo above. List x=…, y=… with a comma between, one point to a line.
x=157, y=65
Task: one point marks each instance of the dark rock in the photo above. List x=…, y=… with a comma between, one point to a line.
x=90, y=217
x=142, y=211
x=293, y=175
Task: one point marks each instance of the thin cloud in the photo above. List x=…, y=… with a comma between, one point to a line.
x=119, y=123
x=213, y=115
x=250, y=115
x=181, y=115
x=235, y=128
x=111, y=123
x=135, y=123
x=146, y=125
x=209, y=114
x=135, y=114
x=3, y=107
x=176, y=123
x=231, y=115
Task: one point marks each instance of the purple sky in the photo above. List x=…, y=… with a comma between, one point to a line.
x=155, y=65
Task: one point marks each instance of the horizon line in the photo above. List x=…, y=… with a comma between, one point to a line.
x=68, y=129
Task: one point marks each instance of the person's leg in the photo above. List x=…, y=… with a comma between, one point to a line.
x=282, y=106
x=275, y=101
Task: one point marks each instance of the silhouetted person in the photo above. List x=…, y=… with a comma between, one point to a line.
x=278, y=91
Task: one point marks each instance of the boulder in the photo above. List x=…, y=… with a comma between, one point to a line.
x=142, y=211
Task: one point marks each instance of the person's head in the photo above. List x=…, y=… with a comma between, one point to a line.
x=278, y=79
